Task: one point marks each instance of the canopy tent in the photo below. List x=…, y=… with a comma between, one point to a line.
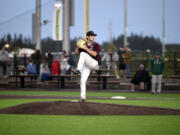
x=22, y=52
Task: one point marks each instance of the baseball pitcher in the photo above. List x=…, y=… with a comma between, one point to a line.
x=88, y=60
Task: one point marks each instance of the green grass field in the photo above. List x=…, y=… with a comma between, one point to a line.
x=90, y=125
x=91, y=94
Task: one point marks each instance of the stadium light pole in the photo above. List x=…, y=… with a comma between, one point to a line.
x=86, y=17
x=125, y=23
x=164, y=27
x=66, y=40
x=38, y=24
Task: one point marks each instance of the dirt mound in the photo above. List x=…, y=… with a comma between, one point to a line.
x=87, y=108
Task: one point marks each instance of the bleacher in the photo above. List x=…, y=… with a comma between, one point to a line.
x=98, y=82
x=95, y=81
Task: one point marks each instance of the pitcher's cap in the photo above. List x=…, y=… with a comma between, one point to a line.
x=91, y=33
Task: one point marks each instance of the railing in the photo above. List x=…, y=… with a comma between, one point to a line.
x=172, y=62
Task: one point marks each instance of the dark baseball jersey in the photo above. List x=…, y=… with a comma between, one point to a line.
x=95, y=47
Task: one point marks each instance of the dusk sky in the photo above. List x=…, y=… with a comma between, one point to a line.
x=144, y=17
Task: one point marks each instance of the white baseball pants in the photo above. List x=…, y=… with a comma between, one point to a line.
x=85, y=64
x=156, y=79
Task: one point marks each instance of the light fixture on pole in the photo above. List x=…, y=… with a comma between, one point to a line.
x=58, y=22
x=147, y=58
x=6, y=45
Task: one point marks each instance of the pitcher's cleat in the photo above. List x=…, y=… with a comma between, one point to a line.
x=82, y=100
x=75, y=71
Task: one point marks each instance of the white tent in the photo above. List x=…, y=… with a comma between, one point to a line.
x=23, y=51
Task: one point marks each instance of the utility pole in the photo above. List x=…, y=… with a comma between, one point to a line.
x=164, y=27
x=86, y=17
x=38, y=24
x=110, y=31
x=125, y=22
x=66, y=23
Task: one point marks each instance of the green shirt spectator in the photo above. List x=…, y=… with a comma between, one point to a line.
x=157, y=66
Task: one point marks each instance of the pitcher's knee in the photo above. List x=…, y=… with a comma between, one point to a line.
x=83, y=82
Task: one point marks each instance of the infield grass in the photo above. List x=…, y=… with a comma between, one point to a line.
x=90, y=94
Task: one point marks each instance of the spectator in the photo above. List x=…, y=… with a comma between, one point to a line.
x=33, y=55
x=157, y=67
x=25, y=63
x=36, y=57
x=56, y=67
x=31, y=69
x=141, y=77
x=70, y=60
x=49, y=59
x=64, y=64
x=122, y=66
x=111, y=59
x=44, y=72
x=64, y=52
x=127, y=59
x=4, y=60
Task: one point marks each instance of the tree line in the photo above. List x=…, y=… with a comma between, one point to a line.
x=136, y=42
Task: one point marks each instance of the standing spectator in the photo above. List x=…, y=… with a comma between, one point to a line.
x=64, y=52
x=4, y=60
x=56, y=67
x=70, y=60
x=122, y=66
x=36, y=57
x=25, y=62
x=49, y=59
x=64, y=64
x=108, y=59
x=157, y=67
x=33, y=55
x=127, y=59
x=141, y=77
x=44, y=72
x=111, y=59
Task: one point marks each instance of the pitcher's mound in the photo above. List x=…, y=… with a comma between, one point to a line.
x=87, y=108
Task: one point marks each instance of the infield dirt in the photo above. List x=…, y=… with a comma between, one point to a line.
x=87, y=108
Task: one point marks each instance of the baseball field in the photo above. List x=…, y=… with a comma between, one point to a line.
x=46, y=124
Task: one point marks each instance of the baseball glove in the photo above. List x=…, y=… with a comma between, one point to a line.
x=81, y=43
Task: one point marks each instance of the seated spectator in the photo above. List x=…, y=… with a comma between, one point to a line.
x=31, y=69
x=44, y=72
x=56, y=67
x=141, y=77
